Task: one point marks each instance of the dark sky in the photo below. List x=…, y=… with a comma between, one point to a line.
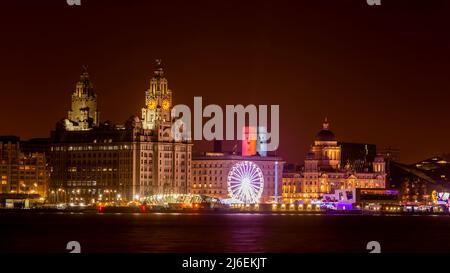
x=380, y=74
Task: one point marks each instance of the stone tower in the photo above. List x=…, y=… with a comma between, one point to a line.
x=83, y=114
x=158, y=101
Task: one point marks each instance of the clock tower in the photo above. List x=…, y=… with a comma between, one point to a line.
x=158, y=101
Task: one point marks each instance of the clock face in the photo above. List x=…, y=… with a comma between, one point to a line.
x=165, y=104
x=152, y=104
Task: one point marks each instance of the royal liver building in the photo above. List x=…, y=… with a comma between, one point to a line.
x=100, y=161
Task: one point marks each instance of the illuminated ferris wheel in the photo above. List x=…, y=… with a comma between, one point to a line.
x=245, y=182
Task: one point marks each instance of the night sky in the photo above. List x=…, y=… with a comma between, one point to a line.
x=380, y=74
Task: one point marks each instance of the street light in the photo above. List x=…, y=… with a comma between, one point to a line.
x=52, y=193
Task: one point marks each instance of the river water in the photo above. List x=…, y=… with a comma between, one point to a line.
x=172, y=232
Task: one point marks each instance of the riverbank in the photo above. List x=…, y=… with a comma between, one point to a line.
x=125, y=210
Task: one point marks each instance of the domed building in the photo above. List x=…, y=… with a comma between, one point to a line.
x=325, y=135
x=326, y=149
x=322, y=172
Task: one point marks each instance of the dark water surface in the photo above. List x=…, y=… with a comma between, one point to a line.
x=171, y=232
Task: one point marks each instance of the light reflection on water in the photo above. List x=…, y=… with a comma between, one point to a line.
x=228, y=232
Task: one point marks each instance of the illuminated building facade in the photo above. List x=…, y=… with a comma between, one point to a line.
x=21, y=173
x=211, y=173
x=158, y=101
x=83, y=114
x=323, y=173
x=292, y=182
x=122, y=162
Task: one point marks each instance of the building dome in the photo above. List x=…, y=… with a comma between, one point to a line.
x=379, y=158
x=325, y=134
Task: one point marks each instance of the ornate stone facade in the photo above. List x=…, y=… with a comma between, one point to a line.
x=83, y=114
x=322, y=172
x=121, y=162
x=210, y=172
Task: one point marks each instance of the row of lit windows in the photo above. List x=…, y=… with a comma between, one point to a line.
x=97, y=174
x=205, y=178
x=342, y=176
x=99, y=177
x=210, y=172
x=91, y=148
x=205, y=172
x=292, y=189
x=206, y=191
x=205, y=185
x=219, y=165
x=95, y=155
x=27, y=168
x=104, y=141
x=81, y=183
x=150, y=154
x=167, y=148
x=107, y=177
x=84, y=162
x=99, y=169
x=365, y=177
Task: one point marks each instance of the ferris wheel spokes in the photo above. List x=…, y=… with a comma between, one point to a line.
x=245, y=182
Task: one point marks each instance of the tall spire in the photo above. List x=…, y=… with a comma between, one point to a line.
x=326, y=124
x=85, y=70
x=84, y=85
x=159, y=72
